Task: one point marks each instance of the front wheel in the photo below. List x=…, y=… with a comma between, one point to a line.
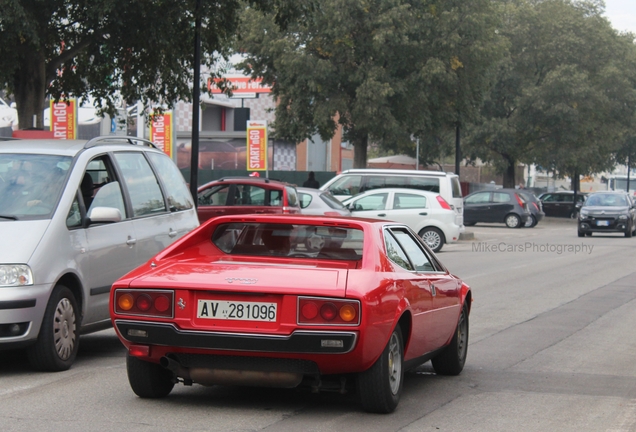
x=581, y=233
x=451, y=360
x=513, y=221
x=380, y=386
x=58, y=341
x=628, y=231
x=433, y=238
x=148, y=380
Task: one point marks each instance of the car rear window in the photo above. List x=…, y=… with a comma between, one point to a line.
x=331, y=201
x=288, y=240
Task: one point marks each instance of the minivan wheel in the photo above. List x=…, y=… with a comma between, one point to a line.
x=513, y=221
x=433, y=238
x=58, y=341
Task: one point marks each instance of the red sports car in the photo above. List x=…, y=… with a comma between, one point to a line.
x=246, y=300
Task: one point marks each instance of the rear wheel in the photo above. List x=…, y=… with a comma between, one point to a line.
x=531, y=222
x=512, y=221
x=380, y=386
x=58, y=341
x=433, y=238
x=451, y=360
x=148, y=380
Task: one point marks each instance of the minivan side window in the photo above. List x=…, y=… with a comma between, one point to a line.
x=425, y=183
x=347, y=185
x=178, y=194
x=457, y=188
x=99, y=187
x=145, y=193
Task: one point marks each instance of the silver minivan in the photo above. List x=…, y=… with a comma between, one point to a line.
x=74, y=217
x=355, y=181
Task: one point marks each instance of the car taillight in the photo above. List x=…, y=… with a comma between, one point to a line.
x=327, y=311
x=536, y=206
x=443, y=202
x=156, y=303
x=520, y=201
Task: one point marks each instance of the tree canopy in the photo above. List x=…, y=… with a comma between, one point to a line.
x=113, y=49
x=387, y=71
x=564, y=92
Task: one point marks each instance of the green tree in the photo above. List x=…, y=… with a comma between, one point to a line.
x=388, y=71
x=109, y=49
x=563, y=93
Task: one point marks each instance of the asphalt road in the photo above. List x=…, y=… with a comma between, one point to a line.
x=552, y=348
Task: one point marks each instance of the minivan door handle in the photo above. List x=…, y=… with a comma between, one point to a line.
x=172, y=233
x=131, y=241
x=423, y=214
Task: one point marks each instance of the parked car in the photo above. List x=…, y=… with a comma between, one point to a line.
x=74, y=217
x=317, y=202
x=244, y=195
x=607, y=212
x=560, y=204
x=426, y=213
x=500, y=205
x=535, y=206
x=354, y=181
x=282, y=317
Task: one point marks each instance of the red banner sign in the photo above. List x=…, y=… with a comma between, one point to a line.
x=240, y=85
x=63, y=119
x=256, y=145
x=161, y=131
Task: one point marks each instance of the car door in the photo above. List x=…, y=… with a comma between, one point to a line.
x=151, y=218
x=110, y=249
x=410, y=209
x=444, y=290
x=412, y=275
x=500, y=206
x=477, y=207
x=372, y=205
x=550, y=204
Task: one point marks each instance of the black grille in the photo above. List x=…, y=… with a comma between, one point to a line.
x=261, y=364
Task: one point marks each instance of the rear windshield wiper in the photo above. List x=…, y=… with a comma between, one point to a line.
x=8, y=217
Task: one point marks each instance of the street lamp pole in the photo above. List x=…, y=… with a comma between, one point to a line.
x=196, y=94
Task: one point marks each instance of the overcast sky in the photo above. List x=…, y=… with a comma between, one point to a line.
x=622, y=14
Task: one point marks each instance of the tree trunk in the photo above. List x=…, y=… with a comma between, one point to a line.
x=360, y=152
x=509, y=178
x=30, y=89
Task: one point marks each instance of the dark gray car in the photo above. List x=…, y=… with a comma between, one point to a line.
x=535, y=206
x=500, y=205
x=605, y=212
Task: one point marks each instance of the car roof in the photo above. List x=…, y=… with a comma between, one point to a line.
x=311, y=191
x=396, y=190
x=248, y=179
x=70, y=147
x=301, y=219
x=397, y=172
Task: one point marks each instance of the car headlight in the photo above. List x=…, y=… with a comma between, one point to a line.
x=583, y=212
x=623, y=217
x=12, y=275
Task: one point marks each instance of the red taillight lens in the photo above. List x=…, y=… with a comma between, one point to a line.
x=443, y=202
x=144, y=302
x=326, y=311
x=520, y=201
x=535, y=206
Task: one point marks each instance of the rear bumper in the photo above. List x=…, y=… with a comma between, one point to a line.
x=300, y=341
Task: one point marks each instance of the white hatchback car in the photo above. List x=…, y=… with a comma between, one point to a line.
x=74, y=217
x=426, y=213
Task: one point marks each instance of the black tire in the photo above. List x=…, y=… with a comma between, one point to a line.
x=381, y=385
x=148, y=380
x=57, y=344
x=532, y=222
x=451, y=360
x=469, y=223
x=433, y=238
x=588, y=234
x=628, y=231
x=512, y=220
x=581, y=234
x=574, y=214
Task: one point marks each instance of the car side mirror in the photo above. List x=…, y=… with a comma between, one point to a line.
x=104, y=215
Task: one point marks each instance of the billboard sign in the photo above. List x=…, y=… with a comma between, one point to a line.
x=161, y=132
x=63, y=122
x=256, y=145
x=240, y=86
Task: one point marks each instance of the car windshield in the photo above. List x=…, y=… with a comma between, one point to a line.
x=287, y=240
x=607, y=200
x=31, y=184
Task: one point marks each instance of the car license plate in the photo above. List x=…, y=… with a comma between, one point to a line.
x=234, y=310
x=602, y=223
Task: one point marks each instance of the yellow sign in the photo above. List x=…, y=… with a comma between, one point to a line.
x=257, y=145
x=63, y=119
x=161, y=131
